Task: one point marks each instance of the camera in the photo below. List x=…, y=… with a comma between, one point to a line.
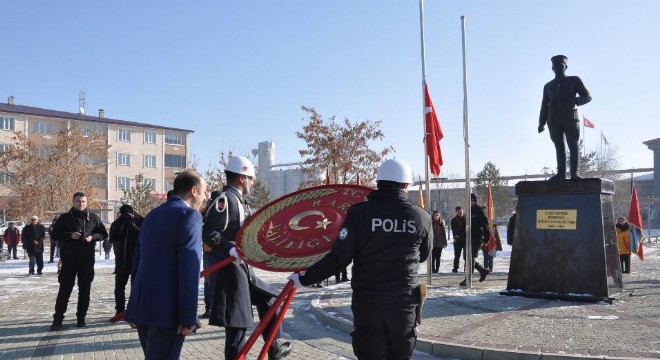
x=83, y=235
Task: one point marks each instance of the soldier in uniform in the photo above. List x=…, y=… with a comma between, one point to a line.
x=387, y=238
x=559, y=111
x=235, y=288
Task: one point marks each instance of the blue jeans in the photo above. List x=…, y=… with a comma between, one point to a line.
x=488, y=260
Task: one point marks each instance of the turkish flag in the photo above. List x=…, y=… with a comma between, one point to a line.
x=433, y=134
x=588, y=123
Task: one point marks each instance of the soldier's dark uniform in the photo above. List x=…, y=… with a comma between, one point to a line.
x=234, y=288
x=386, y=237
x=559, y=111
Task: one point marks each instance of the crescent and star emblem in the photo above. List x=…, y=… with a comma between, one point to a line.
x=294, y=223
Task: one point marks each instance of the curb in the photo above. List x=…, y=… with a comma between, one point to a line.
x=449, y=350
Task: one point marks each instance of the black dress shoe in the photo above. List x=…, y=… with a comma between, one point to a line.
x=205, y=315
x=463, y=283
x=81, y=323
x=454, y=270
x=283, y=350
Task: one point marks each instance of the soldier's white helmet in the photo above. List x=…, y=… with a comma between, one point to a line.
x=395, y=170
x=240, y=165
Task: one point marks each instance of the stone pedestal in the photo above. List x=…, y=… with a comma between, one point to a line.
x=564, y=244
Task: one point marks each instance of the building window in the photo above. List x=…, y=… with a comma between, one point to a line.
x=151, y=183
x=42, y=128
x=149, y=137
x=123, y=159
x=150, y=161
x=4, y=147
x=169, y=185
x=174, y=138
x=7, y=123
x=124, y=135
x=5, y=179
x=178, y=161
x=123, y=183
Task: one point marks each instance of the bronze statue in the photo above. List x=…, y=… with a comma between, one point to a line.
x=559, y=111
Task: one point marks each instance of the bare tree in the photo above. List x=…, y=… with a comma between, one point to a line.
x=45, y=175
x=340, y=149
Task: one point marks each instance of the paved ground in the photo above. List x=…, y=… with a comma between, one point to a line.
x=458, y=323
x=28, y=303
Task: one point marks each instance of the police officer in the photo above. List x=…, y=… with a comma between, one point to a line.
x=77, y=232
x=235, y=288
x=480, y=234
x=561, y=96
x=387, y=238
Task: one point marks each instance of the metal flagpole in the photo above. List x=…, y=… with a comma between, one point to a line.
x=468, y=213
x=584, y=139
x=426, y=155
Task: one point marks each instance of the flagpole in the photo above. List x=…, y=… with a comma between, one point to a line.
x=584, y=139
x=468, y=212
x=426, y=155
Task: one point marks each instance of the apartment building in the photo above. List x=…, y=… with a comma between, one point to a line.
x=158, y=152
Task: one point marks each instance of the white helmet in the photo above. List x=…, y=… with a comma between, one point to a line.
x=395, y=170
x=240, y=165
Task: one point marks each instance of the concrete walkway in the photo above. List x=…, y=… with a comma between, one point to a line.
x=482, y=324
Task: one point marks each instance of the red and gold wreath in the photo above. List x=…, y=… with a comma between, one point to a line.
x=296, y=230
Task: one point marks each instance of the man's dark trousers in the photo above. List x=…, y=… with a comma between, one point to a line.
x=71, y=268
x=384, y=333
x=160, y=343
x=38, y=258
x=121, y=279
x=458, y=248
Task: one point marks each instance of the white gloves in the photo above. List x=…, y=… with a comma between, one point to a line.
x=295, y=277
x=234, y=253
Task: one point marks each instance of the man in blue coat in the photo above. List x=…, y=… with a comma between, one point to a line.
x=163, y=300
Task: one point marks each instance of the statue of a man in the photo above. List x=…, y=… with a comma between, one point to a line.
x=561, y=97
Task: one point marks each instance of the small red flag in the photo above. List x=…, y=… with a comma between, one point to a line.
x=635, y=221
x=588, y=123
x=433, y=134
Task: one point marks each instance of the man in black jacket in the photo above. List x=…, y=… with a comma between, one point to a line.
x=33, y=242
x=124, y=233
x=479, y=234
x=387, y=238
x=458, y=233
x=54, y=246
x=77, y=232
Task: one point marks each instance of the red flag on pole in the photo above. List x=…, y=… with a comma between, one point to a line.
x=494, y=242
x=635, y=221
x=433, y=134
x=588, y=123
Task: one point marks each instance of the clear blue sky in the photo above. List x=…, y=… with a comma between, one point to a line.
x=237, y=72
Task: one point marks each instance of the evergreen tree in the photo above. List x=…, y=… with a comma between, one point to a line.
x=259, y=195
x=490, y=173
